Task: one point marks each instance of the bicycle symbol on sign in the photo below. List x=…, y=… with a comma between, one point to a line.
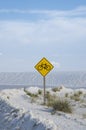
x=44, y=66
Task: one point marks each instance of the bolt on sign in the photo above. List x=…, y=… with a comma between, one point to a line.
x=44, y=66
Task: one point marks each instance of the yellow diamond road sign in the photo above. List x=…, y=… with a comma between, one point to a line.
x=44, y=66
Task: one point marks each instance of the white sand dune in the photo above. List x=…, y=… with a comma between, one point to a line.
x=19, y=112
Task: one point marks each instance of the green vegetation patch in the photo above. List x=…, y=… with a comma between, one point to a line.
x=39, y=92
x=62, y=105
x=56, y=89
x=58, y=104
x=30, y=94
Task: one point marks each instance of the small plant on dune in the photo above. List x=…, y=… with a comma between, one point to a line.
x=62, y=105
x=47, y=94
x=84, y=116
x=33, y=99
x=80, y=92
x=66, y=94
x=30, y=94
x=84, y=95
x=55, y=89
x=58, y=104
x=8, y=97
x=49, y=99
x=76, y=96
x=39, y=92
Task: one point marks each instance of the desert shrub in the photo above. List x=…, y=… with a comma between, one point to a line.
x=80, y=92
x=55, y=89
x=39, y=92
x=33, y=99
x=50, y=98
x=66, y=94
x=47, y=94
x=30, y=94
x=84, y=95
x=76, y=96
x=62, y=105
x=59, y=104
x=8, y=97
x=84, y=116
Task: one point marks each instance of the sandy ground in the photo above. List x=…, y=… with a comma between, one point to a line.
x=18, y=111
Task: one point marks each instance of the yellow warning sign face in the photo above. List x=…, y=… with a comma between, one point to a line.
x=44, y=66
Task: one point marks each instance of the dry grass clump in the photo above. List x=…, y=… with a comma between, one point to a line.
x=39, y=92
x=8, y=97
x=66, y=94
x=30, y=94
x=76, y=96
x=58, y=104
x=50, y=99
x=62, y=105
x=84, y=116
x=78, y=93
x=56, y=89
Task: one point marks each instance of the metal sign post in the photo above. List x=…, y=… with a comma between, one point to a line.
x=44, y=90
x=44, y=67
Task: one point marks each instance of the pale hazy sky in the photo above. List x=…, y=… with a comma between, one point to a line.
x=32, y=29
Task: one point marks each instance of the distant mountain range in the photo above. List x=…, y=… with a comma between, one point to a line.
x=68, y=79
